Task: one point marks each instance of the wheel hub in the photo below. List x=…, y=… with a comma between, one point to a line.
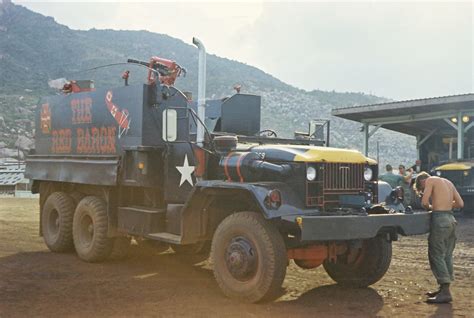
x=53, y=223
x=90, y=229
x=87, y=230
x=241, y=259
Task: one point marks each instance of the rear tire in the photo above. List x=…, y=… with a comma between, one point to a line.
x=362, y=267
x=248, y=257
x=90, y=228
x=56, y=222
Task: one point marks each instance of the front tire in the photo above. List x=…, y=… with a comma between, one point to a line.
x=90, y=228
x=361, y=267
x=248, y=257
x=56, y=222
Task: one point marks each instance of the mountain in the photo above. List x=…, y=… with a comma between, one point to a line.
x=35, y=49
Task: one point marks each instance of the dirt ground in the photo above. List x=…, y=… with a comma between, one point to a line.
x=37, y=283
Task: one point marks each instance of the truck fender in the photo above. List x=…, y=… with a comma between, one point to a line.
x=211, y=201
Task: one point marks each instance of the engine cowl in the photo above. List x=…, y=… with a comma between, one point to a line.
x=248, y=167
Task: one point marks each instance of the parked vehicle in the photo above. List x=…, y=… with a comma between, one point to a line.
x=143, y=161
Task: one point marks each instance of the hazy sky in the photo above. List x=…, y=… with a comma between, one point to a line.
x=400, y=50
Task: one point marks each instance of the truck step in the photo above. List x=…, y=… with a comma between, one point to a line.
x=139, y=220
x=142, y=209
x=165, y=237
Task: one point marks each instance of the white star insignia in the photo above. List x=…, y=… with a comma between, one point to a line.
x=186, y=170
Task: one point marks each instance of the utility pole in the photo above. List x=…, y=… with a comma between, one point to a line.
x=378, y=156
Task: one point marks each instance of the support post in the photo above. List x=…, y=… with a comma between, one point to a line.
x=366, y=139
x=460, y=137
x=450, y=149
x=418, y=146
x=373, y=131
x=431, y=133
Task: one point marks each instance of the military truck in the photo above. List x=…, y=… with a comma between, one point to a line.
x=461, y=175
x=143, y=162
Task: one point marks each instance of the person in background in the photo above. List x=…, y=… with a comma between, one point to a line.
x=406, y=183
x=394, y=201
x=442, y=238
x=394, y=180
x=416, y=168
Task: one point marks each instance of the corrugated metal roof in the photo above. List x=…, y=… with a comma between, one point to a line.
x=430, y=100
x=11, y=177
x=383, y=112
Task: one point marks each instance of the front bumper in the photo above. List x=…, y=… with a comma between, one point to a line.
x=466, y=191
x=352, y=227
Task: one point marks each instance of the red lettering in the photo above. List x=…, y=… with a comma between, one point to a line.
x=80, y=140
x=111, y=139
x=81, y=111
x=87, y=141
x=61, y=141
x=87, y=110
x=54, y=141
x=96, y=140
x=95, y=145
x=103, y=140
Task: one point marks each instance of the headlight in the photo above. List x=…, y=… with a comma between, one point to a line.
x=310, y=173
x=368, y=174
x=438, y=173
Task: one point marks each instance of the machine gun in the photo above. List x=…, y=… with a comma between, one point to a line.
x=168, y=70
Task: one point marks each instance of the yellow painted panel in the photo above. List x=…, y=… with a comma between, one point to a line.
x=326, y=154
x=456, y=166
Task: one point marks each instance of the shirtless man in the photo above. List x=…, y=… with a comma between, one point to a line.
x=442, y=239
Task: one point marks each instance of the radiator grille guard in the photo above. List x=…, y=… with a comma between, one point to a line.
x=332, y=180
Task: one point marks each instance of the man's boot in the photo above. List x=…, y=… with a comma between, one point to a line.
x=444, y=296
x=433, y=293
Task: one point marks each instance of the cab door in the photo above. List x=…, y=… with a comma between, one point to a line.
x=179, y=158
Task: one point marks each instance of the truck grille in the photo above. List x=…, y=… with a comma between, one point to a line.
x=334, y=179
x=343, y=176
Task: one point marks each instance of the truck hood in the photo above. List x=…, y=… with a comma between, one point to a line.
x=297, y=153
x=466, y=165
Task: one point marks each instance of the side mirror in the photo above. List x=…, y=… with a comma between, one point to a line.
x=170, y=125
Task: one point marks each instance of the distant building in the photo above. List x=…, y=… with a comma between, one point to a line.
x=12, y=179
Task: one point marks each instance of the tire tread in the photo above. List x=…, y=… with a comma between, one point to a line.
x=64, y=204
x=102, y=245
x=275, y=252
x=372, y=268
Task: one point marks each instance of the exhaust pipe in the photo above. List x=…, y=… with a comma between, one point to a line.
x=201, y=103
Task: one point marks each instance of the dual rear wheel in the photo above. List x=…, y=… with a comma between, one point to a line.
x=89, y=230
x=66, y=226
x=56, y=222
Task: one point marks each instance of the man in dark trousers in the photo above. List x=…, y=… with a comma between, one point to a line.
x=442, y=239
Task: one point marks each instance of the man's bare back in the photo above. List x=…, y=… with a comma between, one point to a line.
x=443, y=194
